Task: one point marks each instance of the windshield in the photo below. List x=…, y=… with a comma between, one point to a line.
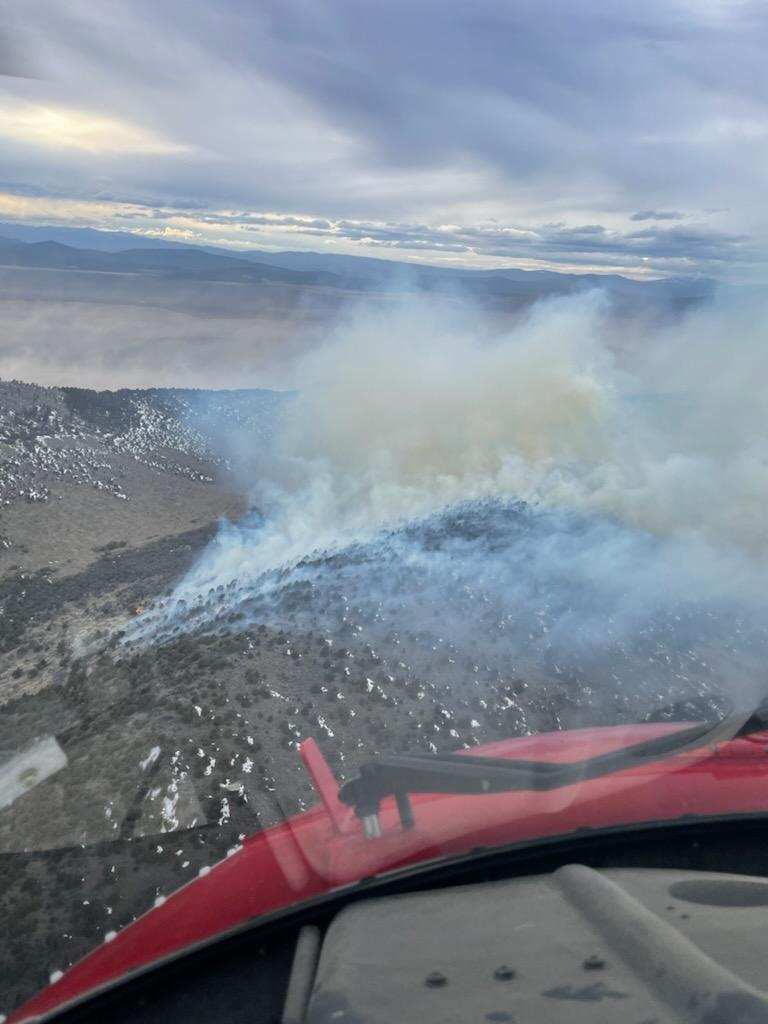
x=376, y=381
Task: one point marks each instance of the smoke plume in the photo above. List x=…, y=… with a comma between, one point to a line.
x=573, y=495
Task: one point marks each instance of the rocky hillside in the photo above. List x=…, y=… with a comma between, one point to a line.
x=59, y=444
x=73, y=435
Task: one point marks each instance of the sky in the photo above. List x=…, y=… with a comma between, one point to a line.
x=576, y=135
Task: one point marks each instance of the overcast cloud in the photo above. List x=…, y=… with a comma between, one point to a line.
x=576, y=134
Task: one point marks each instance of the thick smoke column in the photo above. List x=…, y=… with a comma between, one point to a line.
x=403, y=415
x=582, y=488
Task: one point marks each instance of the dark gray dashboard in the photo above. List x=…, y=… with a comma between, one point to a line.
x=630, y=945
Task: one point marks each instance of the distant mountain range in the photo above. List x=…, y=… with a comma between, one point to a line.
x=86, y=249
x=187, y=262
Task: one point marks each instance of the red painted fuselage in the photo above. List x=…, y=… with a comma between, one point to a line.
x=323, y=848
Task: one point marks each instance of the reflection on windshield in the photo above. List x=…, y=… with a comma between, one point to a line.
x=28, y=768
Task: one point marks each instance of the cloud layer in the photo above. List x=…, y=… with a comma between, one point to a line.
x=586, y=135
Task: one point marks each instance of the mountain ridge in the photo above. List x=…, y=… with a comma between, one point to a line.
x=121, y=251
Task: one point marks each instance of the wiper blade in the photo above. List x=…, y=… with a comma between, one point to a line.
x=399, y=775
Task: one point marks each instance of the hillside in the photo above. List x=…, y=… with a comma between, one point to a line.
x=81, y=469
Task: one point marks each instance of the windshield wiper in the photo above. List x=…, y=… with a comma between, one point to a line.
x=399, y=775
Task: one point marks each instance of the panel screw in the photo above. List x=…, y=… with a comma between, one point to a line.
x=593, y=963
x=435, y=980
x=503, y=973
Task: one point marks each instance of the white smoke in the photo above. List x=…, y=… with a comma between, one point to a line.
x=404, y=414
x=654, y=439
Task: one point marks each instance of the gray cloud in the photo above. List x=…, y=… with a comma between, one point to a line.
x=657, y=215
x=349, y=111
x=15, y=60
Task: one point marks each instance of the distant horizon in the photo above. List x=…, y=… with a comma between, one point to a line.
x=399, y=260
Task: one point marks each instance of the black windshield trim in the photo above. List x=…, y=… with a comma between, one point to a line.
x=399, y=775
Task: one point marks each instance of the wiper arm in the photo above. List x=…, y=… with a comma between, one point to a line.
x=399, y=775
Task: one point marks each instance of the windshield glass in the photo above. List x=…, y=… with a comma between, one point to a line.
x=388, y=377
